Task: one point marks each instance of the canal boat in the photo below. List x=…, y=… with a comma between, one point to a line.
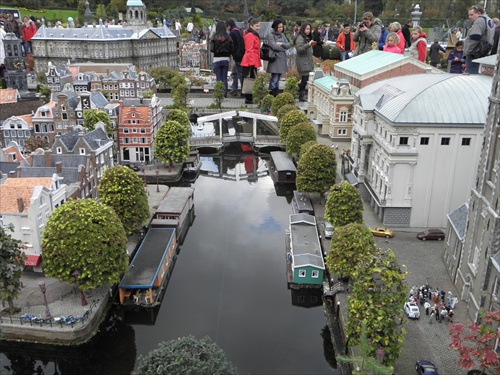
x=151, y=267
x=301, y=203
x=176, y=210
x=281, y=168
x=191, y=167
x=304, y=259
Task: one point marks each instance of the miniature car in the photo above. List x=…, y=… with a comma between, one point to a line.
x=382, y=232
x=328, y=228
x=431, y=234
x=412, y=310
x=426, y=368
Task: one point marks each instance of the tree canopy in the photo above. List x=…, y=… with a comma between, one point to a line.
x=282, y=111
x=88, y=236
x=163, y=76
x=93, y=116
x=282, y=100
x=186, y=355
x=181, y=117
x=11, y=265
x=32, y=143
x=290, y=119
x=350, y=248
x=170, y=144
x=123, y=190
x=344, y=205
x=297, y=136
x=317, y=169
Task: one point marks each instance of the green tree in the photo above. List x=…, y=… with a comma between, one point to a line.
x=93, y=116
x=292, y=86
x=81, y=11
x=218, y=94
x=379, y=292
x=163, y=76
x=180, y=91
x=186, y=355
x=11, y=266
x=41, y=78
x=290, y=119
x=284, y=110
x=121, y=189
x=297, y=136
x=316, y=170
x=101, y=12
x=181, y=117
x=88, y=236
x=260, y=87
x=307, y=146
x=344, y=205
x=170, y=144
x=45, y=93
x=281, y=100
x=266, y=103
x=349, y=249
x=32, y=143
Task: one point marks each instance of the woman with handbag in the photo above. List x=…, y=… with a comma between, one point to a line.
x=251, y=59
x=279, y=45
x=303, y=45
x=221, y=45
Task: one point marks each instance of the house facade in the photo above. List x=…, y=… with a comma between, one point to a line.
x=16, y=129
x=416, y=141
x=57, y=77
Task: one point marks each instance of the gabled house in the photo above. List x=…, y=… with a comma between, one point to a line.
x=16, y=129
x=57, y=77
x=43, y=122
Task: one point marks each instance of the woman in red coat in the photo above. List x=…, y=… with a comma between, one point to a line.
x=29, y=31
x=251, y=59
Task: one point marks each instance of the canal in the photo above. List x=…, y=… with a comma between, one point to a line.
x=228, y=283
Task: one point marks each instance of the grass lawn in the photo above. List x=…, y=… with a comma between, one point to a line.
x=47, y=14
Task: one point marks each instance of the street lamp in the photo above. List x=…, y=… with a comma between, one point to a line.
x=157, y=187
x=76, y=274
x=41, y=284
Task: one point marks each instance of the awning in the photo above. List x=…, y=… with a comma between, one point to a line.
x=351, y=178
x=32, y=260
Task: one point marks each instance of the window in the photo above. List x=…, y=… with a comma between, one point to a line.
x=82, y=151
x=6, y=133
x=58, y=150
x=343, y=116
x=445, y=141
x=144, y=140
x=40, y=220
x=143, y=131
x=126, y=140
x=465, y=141
x=341, y=131
x=26, y=133
x=403, y=140
x=125, y=130
x=302, y=273
x=315, y=274
x=134, y=130
x=20, y=133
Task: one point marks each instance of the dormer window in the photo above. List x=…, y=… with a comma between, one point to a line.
x=82, y=151
x=133, y=114
x=59, y=150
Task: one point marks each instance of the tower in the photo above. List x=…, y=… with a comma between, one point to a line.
x=14, y=63
x=136, y=15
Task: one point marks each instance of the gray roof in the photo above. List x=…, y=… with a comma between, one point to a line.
x=71, y=138
x=458, y=220
x=7, y=166
x=99, y=99
x=175, y=200
x=282, y=161
x=305, y=246
x=432, y=99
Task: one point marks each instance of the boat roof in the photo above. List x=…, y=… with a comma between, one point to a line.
x=304, y=240
x=282, y=161
x=148, y=260
x=175, y=200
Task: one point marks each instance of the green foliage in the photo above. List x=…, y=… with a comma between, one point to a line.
x=290, y=119
x=121, y=189
x=316, y=170
x=297, y=136
x=147, y=94
x=11, y=265
x=45, y=93
x=88, y=236
x=281, y=100
x=284, y=110
x=260, y=87
x=350, y=247
x=219, y=94
x=292, y=86
x=186, y=355
x=100, y=12
x=379, y=292
x=266, y=102
x=180, y=91
x=170, y=144
x=181, y=117
x=32, y=143
x=344, y=205
x=93, y=116
x=41, y=78
x=163, y=76
x=307, y=146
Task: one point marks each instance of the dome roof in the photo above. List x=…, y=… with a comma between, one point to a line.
x=430, y=98
x=135, y=3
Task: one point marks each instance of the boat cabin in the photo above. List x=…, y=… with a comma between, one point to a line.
x=281, y=168
x=301, y=203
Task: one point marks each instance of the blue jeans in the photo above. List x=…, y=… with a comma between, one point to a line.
x=344, y=55
x=274, y=82
x=236, y=76
x=220, y=69
x=27, y=48
x=471, y=67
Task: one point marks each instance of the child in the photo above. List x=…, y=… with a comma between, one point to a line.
x=392, y=43
x=456, y=59
x=418, y=47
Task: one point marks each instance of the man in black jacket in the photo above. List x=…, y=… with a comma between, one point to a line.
x=407, y=33
x=239, y=50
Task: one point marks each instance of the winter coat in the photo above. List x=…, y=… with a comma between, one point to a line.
x=29, y=31
x=279, y=65
x=434, y=54
x=341, y=42
x=418, y=48
x=394, y=48
x=304, y=59
x=239, y=44
x=251, y=58
x=456, y=66
x=222, y=47
x=364, y=40
x=402, y=41
x=318, y=48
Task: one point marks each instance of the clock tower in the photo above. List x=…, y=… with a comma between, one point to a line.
x=14, y=63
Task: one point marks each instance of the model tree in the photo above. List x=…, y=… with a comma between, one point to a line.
x=479, y=345
x=32, y=143
x=297, y=136
x=163, y=76
x=86, y=236
x=281, y=100
x=282, y=111
x=180, y=91
x=186, y=355
x=218, y=95
x=307, y=146
x=123, y=190
x=379, y=292
x=316, y=170
x=93, y=116
x=290, y=119
x=181, y=117
x=170, y=144
x=344, y=205
x=11, y=266
x=350, y=248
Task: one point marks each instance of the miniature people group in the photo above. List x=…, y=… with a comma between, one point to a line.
x=438, y=304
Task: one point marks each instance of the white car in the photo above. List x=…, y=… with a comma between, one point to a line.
x=328, y=228
x=412, y=310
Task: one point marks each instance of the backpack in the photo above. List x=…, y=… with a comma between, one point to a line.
x=266, y=52
x=238, y=53
x=383, y=37
x=484, y=46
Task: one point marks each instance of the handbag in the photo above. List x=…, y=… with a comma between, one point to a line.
x=266, y=52
x=247, y=87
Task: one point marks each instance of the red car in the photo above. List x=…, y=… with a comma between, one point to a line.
x=431, y=234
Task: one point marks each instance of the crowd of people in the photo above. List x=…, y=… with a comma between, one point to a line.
x=438, y=304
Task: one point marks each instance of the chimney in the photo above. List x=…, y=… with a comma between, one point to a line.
x=48, y=161
x=59, y=167
x=20, y=204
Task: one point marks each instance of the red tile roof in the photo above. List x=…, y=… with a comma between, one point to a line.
x=14, y=188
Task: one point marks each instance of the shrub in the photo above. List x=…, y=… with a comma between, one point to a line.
x=297, y=136
x=281, y=100
x=267, y=102
x=292, y=86
x=290, y=119
x=260, y=87
x=284, y=110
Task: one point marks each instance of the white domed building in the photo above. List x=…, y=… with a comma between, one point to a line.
x=416, y=143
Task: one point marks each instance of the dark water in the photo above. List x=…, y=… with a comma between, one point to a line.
x=228, y=283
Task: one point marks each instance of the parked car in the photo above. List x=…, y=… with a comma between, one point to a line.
x=412, y=310
x=382, y=232
x=426, y=368
x=431, y=234
x=328, y=229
